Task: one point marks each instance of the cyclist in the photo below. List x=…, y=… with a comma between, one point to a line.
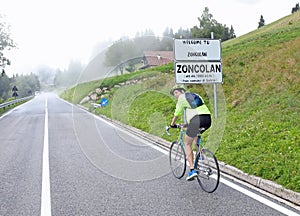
x=197, y=115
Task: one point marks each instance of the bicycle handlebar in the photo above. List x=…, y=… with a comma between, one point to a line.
x=175, y=126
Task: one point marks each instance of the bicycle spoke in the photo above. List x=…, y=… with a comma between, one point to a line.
x=208, y=171
x=177, y=159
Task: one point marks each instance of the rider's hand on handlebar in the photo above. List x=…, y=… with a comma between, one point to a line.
x=173, y=126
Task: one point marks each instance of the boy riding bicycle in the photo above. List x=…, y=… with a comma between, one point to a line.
x=197, y=116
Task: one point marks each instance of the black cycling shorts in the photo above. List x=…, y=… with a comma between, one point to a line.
x=198, y=121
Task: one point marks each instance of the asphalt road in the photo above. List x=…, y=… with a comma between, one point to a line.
x=97, y=169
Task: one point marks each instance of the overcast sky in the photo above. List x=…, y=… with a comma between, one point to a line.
x=52, y=32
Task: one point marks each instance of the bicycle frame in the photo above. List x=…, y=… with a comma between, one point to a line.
x=198, y=142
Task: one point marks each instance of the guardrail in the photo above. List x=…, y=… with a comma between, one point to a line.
x=9, y=103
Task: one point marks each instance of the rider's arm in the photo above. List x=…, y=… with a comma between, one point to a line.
x=174, y=120
x=179, y=109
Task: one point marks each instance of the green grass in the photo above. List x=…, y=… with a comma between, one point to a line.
x=259, y=101
x=78, y=92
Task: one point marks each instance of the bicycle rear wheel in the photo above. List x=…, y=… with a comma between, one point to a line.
x=208, y=171
x=177, y=159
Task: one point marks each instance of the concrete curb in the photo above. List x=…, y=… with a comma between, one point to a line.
x=263, y=184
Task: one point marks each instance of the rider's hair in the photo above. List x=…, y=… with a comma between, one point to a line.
x=177, y=87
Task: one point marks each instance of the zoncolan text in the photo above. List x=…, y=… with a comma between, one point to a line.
x=198, y=68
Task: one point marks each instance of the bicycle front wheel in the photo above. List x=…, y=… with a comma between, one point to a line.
x=208, y=171
x=177, y=159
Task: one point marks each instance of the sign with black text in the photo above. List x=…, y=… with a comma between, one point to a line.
x=198, y=72
x=198, y=61
x=197, y=50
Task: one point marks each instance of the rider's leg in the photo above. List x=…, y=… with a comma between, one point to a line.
x=191, y=134
x=188, y=150
x=195, y=143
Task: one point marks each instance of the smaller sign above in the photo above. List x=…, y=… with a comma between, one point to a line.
x=197, y=50
x=198, y=72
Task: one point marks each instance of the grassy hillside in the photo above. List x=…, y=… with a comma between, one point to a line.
x=262, y=86
x=259, y=101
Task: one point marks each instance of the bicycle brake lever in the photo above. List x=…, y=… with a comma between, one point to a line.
x=167, y=130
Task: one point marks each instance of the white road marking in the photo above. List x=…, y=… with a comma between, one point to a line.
x=46, y=197
x=7, y=113
x=259, y=198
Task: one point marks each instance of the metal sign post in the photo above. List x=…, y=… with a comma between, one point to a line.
x=215, y=89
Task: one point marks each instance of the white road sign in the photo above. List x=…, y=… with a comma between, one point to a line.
x=197, y=50
x=198, y=72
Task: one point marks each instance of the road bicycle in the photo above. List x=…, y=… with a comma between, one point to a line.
x=205, y=162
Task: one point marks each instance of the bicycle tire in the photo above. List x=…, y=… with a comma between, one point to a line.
x=208, y=171
x=177, y=159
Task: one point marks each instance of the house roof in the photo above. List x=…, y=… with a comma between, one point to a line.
x=156, y=58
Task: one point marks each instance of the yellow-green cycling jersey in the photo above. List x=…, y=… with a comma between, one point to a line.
x=192, y=103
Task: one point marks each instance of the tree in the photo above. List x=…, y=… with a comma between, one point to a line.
x=231, y=33
x=296, y=8
x=208, y=25
x=119, y=52
x=70, y=76
x=261, y=22
x=5, y=43
x=183, y=33
x=4, y=87
x=26, y=84
x=166, y=42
